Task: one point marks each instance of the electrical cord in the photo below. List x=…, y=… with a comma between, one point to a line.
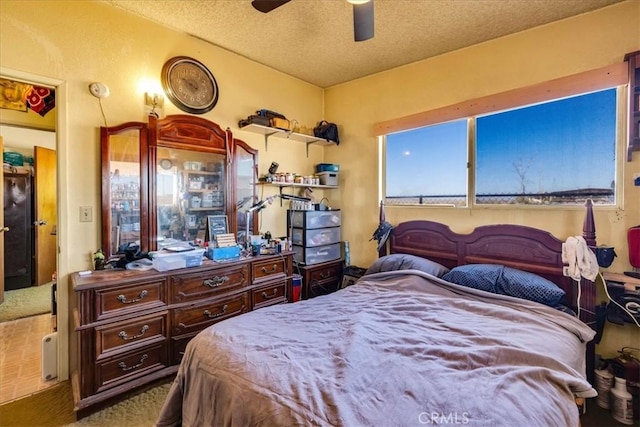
x=102, y=111
x=604, y=283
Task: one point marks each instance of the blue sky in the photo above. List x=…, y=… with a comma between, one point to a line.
x=562, y=145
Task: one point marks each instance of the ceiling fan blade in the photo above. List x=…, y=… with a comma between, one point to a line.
x=363, y=21
x=265, y=6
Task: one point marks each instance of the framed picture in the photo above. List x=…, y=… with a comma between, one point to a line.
x=216, y=224
x=13, y=95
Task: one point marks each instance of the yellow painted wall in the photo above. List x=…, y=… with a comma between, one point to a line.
x=29, y=119
x=578, y=44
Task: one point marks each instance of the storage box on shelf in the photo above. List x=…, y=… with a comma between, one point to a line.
x=328, y=178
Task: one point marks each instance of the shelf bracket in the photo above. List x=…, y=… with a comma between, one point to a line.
x=266, y=140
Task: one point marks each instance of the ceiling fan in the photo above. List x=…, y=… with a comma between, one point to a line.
x=362, y=15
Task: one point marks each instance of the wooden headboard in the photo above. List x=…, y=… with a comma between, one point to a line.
x=522, y=247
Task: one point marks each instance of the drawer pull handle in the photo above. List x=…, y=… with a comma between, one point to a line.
x=216, y=281
x=325, y=275
x=213, y=316
x=273, y=294
x=123, y=299
x=126, y=337
x=123, y=365
x=274, y=268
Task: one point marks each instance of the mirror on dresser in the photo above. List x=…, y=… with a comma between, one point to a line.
x=124, y=186
x=161, y=180
x=246, y=173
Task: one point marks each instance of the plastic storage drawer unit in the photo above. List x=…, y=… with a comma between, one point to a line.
x=316, y=255
x=313, y=219
x=315, y=236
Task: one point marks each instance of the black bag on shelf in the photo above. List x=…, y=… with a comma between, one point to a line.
x=255, y=119
x=326, y=130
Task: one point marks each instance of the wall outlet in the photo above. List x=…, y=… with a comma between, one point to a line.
x=86, y=214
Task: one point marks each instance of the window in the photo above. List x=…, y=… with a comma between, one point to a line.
x=560, y=152
x=428, y=166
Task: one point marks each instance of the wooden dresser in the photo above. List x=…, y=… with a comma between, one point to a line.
x=132, y=327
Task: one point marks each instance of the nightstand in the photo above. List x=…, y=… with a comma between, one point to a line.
x=350, y=275
x=320, y=279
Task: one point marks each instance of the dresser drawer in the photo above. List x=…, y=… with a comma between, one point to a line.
x=321, y=279
x=198, y=316
x=126, y=335
x=194, y=286
x=275, y=293
x=122, y=300
x=329, y=271
x=268, y=269
x=315, y=236
x=130, y=366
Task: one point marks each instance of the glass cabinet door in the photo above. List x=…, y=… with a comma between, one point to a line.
x=246, y=173
x=122, y=187
x=190, y=188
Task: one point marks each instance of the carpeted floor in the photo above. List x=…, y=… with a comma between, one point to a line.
x=26, y=302
x=140, y=410
x=54, y=408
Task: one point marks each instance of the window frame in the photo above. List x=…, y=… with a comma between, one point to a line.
x=612, y=76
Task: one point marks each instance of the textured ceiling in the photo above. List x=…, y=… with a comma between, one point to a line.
x=313, y=39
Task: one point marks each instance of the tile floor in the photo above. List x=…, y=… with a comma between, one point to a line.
x=20, y=356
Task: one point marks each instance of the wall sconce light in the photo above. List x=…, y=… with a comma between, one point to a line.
x=153, y=101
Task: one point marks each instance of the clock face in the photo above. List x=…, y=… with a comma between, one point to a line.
x=190, y=85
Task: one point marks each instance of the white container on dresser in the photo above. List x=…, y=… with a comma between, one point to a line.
x=132, y=327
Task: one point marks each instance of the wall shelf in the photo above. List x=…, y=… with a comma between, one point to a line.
x=293, y=185
x=280, y=133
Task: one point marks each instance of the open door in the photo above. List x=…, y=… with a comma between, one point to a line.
x=45, y=213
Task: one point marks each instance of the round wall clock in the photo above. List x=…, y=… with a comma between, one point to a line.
x=189, y=85
x=166, y=164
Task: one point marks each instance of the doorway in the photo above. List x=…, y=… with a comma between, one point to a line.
x=33, y=180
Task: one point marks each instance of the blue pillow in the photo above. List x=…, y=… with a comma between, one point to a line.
x=406, y=262
x=502, y=280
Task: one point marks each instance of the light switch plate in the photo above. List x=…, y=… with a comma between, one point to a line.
x=86, y=214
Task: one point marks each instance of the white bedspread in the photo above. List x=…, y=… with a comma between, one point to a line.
x=396, y=349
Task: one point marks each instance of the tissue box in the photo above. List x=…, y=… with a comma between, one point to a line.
x=164, y=261
x=223, y=254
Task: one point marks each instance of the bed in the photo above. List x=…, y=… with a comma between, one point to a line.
x=406, y=345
